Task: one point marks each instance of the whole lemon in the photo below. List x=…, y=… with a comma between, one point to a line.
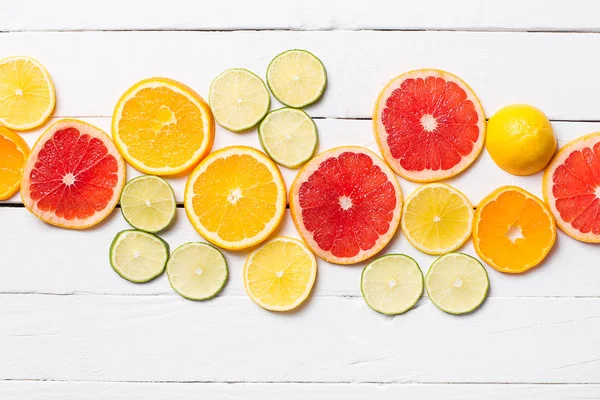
x=520, y=139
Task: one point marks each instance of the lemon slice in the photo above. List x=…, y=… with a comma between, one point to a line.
x=288, y=136
x=197, y=271
x=457, y=283
x=296, y=78
x=392, y=284
x=27, y=96
x=138, y=256
x=239, y=99
x=437, y=218
x=148, y=203
x=279, y=275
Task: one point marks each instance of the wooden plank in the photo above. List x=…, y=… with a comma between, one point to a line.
x=290, y=391
x=45, y=259
x=92, y=69
x=306, y=15
x=124, y=338
x=479, y=180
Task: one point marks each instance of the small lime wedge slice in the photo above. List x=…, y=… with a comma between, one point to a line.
x=288, y=136
x=457, y=283
x=148, y=203
x=239, y=99
x=392, y=284
x=197, y=271
x=296, y=78
x=138, y=256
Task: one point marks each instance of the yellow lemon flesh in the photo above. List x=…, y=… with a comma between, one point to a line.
x=520, y=139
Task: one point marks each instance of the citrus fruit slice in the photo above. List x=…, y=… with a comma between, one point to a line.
x=280, y=274
x=239, y=99
x=162, y=127
x=148, y=203
x=571, y=187
x=429, y=125
x=346, y=204
x=138, y=256
x=27, y=95
x=392, y=284
x=457, y=283
x=513, y=230
x=197, y=271
x=288, y=136
x=296, y=78
x=437, y=218
x=74, y=175
x=14, y=151
x=235, y=198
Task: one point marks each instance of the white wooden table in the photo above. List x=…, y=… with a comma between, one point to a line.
x=70, y=328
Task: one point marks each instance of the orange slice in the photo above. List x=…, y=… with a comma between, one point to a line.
x=513, y=230
x=163, y=127
x=14, y=152
x=235, y=198
x=27, y=96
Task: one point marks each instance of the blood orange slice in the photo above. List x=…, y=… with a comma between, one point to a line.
x=346, y=204
x=571, y=187
x=429, y=125
x=74, y=175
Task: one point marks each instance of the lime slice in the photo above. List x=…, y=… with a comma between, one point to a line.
x=148, y=203
x=288, y=136
x=392, y=284
x=138, y=256
x=197, y=271
x=297, y=78
x=457, y=283
x=239, y=99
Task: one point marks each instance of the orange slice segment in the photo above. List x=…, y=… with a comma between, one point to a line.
x=513, y=230
x=14, y=151
x=163, y=127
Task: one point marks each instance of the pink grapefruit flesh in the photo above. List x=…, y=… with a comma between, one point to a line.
x=429, y=125
x=74, y=175
x=346, y=204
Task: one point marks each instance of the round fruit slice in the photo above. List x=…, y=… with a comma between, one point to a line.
x=138, y=256
x=280, y=274
x=429, y=125
x=346, y=204
x=162, y=127
x=297, y=78
x=513, y=230
x=235, y=198
x=457, y=283
x=27, y=95
x=148, y=203
x=74, y=175
x=437, y=218
x=14, y=151
x=392, y=284
x=571, y=187
x=239, y=99
x=288, y=136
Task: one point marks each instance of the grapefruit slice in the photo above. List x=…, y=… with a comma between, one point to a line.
x=74, y=175
x=429, y=125
x=346, y=204
x=571, y=187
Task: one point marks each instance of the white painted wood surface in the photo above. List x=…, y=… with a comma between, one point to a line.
x=72, y=329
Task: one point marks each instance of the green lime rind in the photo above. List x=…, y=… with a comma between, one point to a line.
x=375, y=262
x=307, y=102
x=249, y=126
x=270, y=152
x=173, y=258
x=113, y=253
x=455, y=312
x=168, y=220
